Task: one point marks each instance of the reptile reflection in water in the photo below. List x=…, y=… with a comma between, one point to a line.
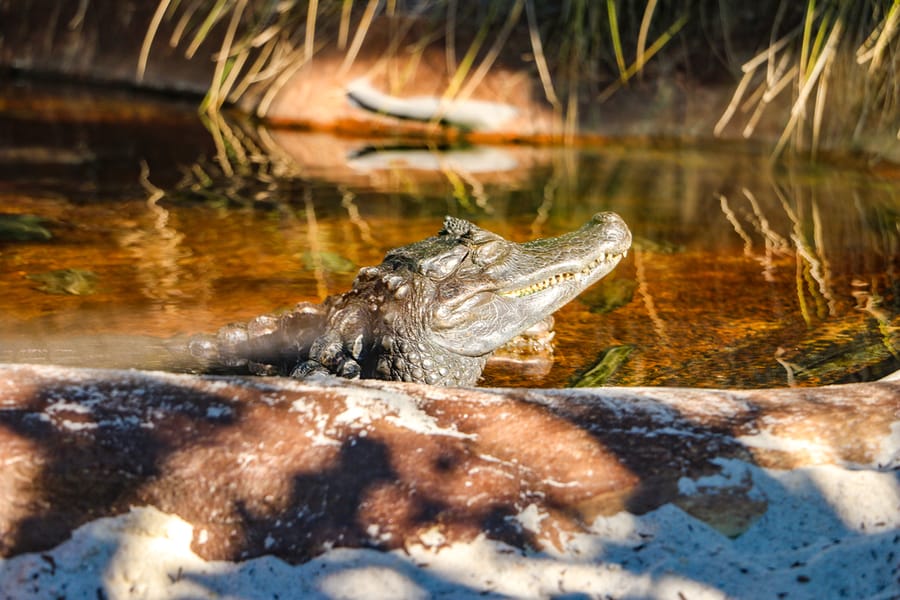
x=431, y=312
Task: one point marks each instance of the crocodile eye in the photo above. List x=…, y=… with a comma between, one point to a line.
x=442, y=265
x=489, y=253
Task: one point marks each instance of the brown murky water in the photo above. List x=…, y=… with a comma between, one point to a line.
x=742, y=274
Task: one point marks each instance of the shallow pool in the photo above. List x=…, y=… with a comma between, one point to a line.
x=120, y=227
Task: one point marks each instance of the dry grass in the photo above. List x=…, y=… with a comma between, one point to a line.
x=834, y=37
x=819, y=56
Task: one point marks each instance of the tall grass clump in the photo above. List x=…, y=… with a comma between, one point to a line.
x=840, y=55
x=832, y=62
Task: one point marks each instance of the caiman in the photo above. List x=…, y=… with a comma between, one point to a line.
x=431, y=312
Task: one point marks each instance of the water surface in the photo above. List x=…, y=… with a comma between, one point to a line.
x=743, y=274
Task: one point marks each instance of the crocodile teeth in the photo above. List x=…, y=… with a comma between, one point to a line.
x=560, y=277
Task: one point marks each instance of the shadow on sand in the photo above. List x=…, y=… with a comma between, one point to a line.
x=564, y=493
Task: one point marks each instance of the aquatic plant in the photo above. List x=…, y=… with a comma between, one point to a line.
x=23, y=228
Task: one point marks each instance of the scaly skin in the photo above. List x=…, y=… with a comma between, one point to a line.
x=431, y=312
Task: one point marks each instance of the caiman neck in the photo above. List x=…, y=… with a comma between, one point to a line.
x=398, y=357
x=401, y=351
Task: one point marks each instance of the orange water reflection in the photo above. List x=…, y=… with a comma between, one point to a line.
x=741, y=275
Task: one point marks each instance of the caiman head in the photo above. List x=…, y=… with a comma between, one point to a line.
x=453, y=298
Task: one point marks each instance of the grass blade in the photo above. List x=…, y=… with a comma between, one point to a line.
x=642, y=34
x=152, y=29
x=211, y=18
x=311, y=14
x=494, y=51
x=616, y=40
x=360, y=35
x=539, y=59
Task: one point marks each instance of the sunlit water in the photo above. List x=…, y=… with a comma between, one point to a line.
x=742, y=274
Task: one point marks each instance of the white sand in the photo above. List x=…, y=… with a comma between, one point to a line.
x=829, y=532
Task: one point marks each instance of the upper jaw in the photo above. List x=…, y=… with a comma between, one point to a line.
x=538, y=278
x=574, y=277
x=580, y=258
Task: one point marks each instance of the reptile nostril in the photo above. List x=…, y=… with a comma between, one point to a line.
x=607, y=218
